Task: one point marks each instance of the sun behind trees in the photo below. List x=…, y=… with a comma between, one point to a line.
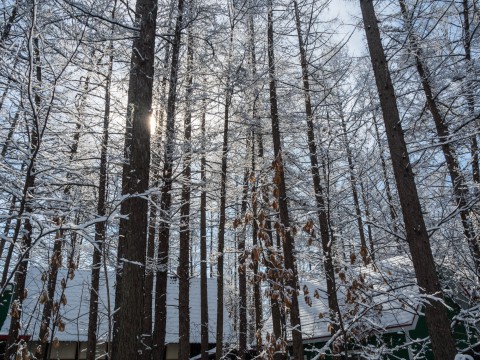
x=240, y=179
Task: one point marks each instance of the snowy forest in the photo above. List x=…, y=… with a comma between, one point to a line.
x=239, y=179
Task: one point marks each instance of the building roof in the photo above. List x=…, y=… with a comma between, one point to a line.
x=75, y=312
x=391, y=307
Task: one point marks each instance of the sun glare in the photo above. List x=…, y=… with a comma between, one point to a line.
x=152, y=122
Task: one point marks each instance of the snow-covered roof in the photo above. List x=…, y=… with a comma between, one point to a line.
x=391, y=307
x=75, y=312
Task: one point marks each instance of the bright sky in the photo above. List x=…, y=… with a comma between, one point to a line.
x=348, y=12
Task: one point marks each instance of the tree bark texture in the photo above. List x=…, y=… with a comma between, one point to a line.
x=221, y=228
x=327, y=245
x=284, y=228
x=203, y=246
x=435, y=313
x=25, y=207
x=467, y=45
x=460, y=188
x=183, y=261
x=256, y=137
x=128, y=329
x=159, y=331
x=356, y=200
x=242, y=268
x=100, y=226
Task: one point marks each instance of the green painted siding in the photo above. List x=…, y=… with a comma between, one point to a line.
x=5, y=304
x=394, y=342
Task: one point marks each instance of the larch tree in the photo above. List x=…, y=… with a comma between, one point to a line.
x=159, y=331
x=203, y=241
x=25, y=207
x=436, y=317
x=327, y=244
x=284, y=229
x=101, y=225
x=128, y=329
x=183, y=260
x=460, y=187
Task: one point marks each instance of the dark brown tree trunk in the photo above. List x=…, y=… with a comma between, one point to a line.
x=26, y=208
x=5, y=93
x=273, y=265
x=129, y=300
x=211, y=243
x=257, y=297
x=155, y=198
x=203, y=246
x=256, y=137
x=327, y=244
x=56, y=316
x=369, y=221
x=223, y=199
x=8, y=257
x=6, y=231
x=221, y=227
x=8, y=222
x=276, y=285
x=242, y=268
x=262, y=229
x=467, y=39
x=285, y=230
x=159, y=331
x=326, y=179
x=150, y=273
x=13, y=125
x=55, y=261
x=388, y=190
x=356, y=200
x=436, y=317
x=183, y=260
x=100, y=226
x=55, y=264
x=460, y=188
x=8, y=25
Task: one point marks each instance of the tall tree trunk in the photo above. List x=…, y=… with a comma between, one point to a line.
x=13, y=201
x=6, y=231
x=221, y=228
x=276, y=284
x=128, y=329
x=159, y=331
x=285, y=230
x=5, y=93
x=11, y=130
x=211, y=243
x=467, y=45
x=460, y=188
x=369, y=221
x=356, y=200
x=183, y=260
x=55, y=261
x=100, y=226
x=223, y=199
x=388, y=190
x=25, y=203
x=325, y=161
x=8, y=25
x=256, y=136
x=242, y=268
x=327, y=244
x=203, y=245
x=155, y=198
x=436, y=317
